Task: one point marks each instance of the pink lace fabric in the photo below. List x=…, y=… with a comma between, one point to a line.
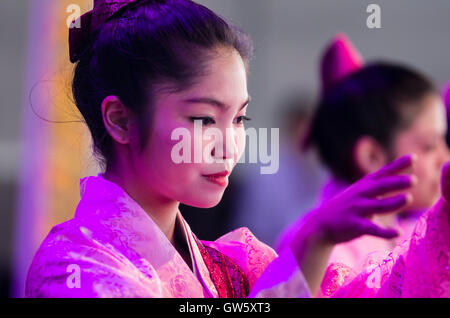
x=354, y=252
x=419, y=267
x=112, y=248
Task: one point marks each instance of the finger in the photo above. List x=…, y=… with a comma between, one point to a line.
x=370, y=228
x=396, y=166
x=385, y=205
x=445, y=182
x=389, y=184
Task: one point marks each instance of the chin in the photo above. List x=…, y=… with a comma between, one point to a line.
x=424, y=204
x=204, y=202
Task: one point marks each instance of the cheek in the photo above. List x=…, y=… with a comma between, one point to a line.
x=428, y=176
x=157, y=164
x=240, y=140
x=428, y=173
x=430, y=164
x=426, y=168
x=422, y=171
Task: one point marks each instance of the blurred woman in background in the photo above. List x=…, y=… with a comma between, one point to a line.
x=367, y=116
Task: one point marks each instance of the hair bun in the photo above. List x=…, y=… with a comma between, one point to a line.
x=79, y=37
x=340, y=59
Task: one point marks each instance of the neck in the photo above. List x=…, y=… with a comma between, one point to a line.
x=410, y=214
x=162, y=210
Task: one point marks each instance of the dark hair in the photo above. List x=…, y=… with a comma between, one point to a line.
x=142, y=47
x=378, y=101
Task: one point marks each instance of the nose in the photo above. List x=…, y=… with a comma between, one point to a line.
x=226, y=146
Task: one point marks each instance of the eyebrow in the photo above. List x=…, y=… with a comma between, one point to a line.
x=214, y=102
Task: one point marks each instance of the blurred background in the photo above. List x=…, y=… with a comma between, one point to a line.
x=42, y=160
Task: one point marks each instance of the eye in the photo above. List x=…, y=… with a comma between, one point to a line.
x=429, y=147
x=205, y=120
x=241, y=119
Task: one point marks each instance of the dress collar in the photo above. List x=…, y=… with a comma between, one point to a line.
x=126, y=226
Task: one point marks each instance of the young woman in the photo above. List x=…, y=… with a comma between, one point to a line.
x=147, y=71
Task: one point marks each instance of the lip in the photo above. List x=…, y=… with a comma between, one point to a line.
x=220, y=178
x=218, y=174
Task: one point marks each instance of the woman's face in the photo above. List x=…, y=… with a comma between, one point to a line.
x=426, y=138
x=217, y=100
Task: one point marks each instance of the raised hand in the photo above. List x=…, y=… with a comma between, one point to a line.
x=347, y=216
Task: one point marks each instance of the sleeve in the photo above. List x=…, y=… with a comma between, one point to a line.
x=67, y=265
x=281, y=279
x=270, y=275
x=417, y=268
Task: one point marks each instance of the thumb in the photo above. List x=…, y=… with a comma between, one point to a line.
x=445, y=182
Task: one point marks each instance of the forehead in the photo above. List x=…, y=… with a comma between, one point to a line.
x=225, y=80
x=433, y=117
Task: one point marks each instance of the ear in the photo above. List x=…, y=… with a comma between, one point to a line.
x=368, y=155
x=117, y=119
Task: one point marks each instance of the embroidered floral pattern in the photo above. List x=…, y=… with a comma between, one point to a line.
x=121, y=252
x=228, y=277
x=419, y=267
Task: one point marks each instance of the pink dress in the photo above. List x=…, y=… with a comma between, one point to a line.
x=354, y=253
x=112, y=248
x=419, y=267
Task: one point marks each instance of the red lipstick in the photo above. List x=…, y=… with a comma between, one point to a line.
x=220, y=178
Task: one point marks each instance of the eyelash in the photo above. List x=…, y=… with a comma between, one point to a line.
x=429, y=147
x=211, y=121
x=244, y=118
